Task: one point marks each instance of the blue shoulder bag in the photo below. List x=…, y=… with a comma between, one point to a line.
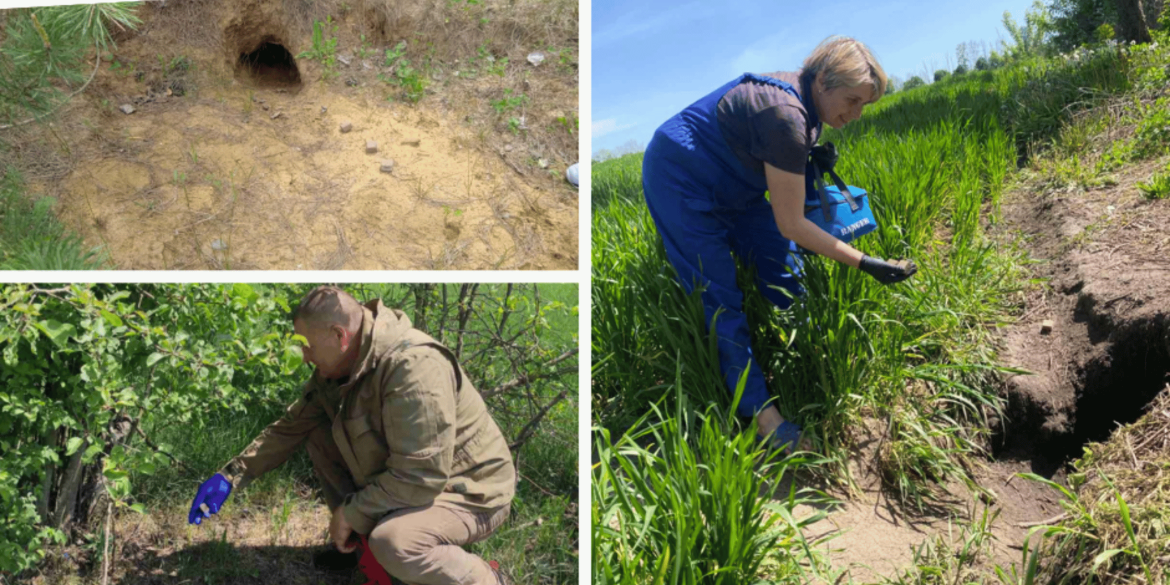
x=842, y=211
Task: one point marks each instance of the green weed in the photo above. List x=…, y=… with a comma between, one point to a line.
x=497, y=66
x=412, y=81
x=324, y=46
x=510, y=101
x=1158, y=186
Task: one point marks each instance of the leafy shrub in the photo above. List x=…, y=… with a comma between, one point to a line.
x=941, y=74
x=1104, y=32
x=913, y=82
x=1152, y=136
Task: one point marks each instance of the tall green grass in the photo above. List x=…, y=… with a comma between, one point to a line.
x=917, y=357
x=669, y=502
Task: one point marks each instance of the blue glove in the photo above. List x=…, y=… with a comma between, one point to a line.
x=213, y=492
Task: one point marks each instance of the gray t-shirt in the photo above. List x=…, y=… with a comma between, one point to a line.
x=765, y=124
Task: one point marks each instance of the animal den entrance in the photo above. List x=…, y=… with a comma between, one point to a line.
x=1111, y=389
x=269, y=64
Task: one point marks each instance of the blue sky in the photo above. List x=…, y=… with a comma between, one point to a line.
x=653, y=58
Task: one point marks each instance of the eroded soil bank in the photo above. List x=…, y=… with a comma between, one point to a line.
x=1103, y=258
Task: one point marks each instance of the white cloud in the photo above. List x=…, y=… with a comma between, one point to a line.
x=607, y=126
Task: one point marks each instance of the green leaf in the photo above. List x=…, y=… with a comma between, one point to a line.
x=115, y=474
x=72, y=446
x=89, y=454
x=138, y=508
x=1105, y=556
x=56, y=331
x=154, y=359
x=292, y=358
x=112, y=319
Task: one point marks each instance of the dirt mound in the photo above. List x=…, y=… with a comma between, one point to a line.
x=235, y=156
x=1097, y=337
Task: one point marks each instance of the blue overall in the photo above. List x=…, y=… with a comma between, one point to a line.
x=706, y=205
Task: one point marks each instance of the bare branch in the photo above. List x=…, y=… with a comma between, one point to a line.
x=530, y=428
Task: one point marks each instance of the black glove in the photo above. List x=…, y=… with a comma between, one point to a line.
x=888, y=272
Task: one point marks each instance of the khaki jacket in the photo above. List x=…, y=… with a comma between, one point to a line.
x=410, y=425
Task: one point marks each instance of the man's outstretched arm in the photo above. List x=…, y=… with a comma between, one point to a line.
x=278, y=441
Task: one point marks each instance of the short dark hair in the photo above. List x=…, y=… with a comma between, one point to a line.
x=325, y=306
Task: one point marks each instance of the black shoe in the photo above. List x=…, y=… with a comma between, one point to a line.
x=332, y=559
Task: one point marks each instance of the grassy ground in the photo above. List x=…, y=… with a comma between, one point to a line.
x=268, y=532
x=911, y=366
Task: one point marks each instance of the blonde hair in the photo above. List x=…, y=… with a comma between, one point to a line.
x=844, y=61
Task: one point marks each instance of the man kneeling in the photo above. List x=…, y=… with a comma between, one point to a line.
x=401, y=441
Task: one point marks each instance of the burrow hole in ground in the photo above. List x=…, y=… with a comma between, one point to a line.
x=1111, y=390
x=269, y=64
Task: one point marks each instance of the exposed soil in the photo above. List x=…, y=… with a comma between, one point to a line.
x=250, y=544
x=234, y=156
x=1105, y=256
x=871, y=537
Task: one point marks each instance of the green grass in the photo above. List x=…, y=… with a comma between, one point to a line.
x=1158, y=187
x=669, y=502
x=31, y=238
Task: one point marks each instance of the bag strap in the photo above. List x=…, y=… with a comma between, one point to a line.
x=825, y=157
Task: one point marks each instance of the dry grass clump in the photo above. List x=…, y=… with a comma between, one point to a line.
x=1116, y=527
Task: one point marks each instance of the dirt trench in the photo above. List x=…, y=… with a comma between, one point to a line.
x=1096, y=339
x=243, y=153
x=1105, y=255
